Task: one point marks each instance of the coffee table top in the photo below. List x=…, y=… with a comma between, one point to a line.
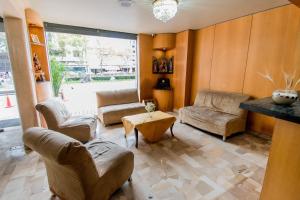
x=151, y=125
x=148, y=117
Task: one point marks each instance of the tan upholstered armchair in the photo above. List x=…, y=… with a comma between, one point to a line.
x=113, y=105
x=80, y=172
x=59, y=119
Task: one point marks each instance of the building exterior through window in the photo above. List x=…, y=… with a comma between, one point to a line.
x=92, y=63
x=9, y=114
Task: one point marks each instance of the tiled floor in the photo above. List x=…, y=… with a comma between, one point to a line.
x=193, y=165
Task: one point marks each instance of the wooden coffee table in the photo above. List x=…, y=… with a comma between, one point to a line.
x=151, y=125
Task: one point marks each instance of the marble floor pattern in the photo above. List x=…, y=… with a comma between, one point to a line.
x=192, y=165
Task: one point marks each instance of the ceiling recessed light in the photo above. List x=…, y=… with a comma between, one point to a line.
x=126, y=3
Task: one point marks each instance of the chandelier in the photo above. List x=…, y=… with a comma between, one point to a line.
x=165, y=10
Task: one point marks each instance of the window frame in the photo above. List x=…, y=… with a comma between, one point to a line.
x=60, y=28
x=1, y=25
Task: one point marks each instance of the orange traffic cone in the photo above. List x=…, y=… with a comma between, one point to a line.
x=8, y=102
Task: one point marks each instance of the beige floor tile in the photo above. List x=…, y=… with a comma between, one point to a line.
x=193, y=165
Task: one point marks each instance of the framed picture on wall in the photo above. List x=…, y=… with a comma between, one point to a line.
x=162, y=65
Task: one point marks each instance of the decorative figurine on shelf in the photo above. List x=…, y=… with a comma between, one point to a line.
x=171, y=65
x=155, y=65
x=36, y=63
x=38, y=72
x=35, y=39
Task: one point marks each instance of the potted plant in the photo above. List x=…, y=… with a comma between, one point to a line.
x=150, y=107
x=57, y=76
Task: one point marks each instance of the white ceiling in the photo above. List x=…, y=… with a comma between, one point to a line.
x=13, y=8
x=109, y=15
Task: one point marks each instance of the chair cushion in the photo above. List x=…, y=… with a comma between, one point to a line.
x=107, y=155
x=88, y=121
x=121, y=107
x=81, y=128
x=114, y=165
x=113, y=114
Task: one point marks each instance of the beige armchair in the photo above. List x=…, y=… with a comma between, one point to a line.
x=113, y=105
x=59, y=119
x=216, y=112
x=80, y=172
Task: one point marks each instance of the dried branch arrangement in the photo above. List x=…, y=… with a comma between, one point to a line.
x=291, y=81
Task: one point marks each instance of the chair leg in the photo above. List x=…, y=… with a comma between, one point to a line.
x=53, y=194
x=224, y=138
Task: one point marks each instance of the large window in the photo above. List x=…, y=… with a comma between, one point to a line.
x=92, y=63
x=9, y=114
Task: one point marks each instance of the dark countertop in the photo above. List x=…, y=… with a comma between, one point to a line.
x=266, y=106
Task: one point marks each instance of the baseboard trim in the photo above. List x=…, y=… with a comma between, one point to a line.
x=9, y=123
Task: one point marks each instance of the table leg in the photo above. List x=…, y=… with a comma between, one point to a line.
x=136, y=137
x=171, y=129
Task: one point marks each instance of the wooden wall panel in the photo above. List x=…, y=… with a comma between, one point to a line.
x=282, y=177
x=274, y=48
x=147, y=80
x=228, y=57
x=189, y=69
x=178, y=80
x=202, y=60
x=164, y=41
x=230, y=54
x=181, y=80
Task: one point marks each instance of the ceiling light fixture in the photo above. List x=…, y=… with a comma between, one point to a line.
x=126, y=3
x=165, y=10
